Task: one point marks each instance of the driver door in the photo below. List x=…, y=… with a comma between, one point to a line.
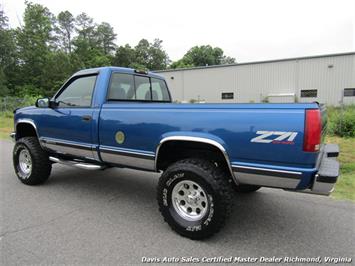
x=68, y=127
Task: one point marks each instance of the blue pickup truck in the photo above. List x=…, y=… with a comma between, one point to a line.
x=118, y=117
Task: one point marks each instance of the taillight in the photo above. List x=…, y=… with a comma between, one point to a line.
x=312, y=131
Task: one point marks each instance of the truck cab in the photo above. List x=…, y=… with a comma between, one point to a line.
x=71, y=125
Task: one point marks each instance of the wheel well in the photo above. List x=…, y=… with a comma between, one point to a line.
x=176, y=150
x=25, y=130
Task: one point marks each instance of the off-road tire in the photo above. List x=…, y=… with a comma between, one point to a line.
x=212, y=180
x=245, y=188
x=41, y=166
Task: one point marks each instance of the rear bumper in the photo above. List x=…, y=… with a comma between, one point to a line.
x=328, y=171
x=317, y=180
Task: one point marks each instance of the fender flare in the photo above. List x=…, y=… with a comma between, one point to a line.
x=195, y=139
x=27, y=121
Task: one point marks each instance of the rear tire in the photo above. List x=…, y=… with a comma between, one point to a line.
x=31, y=162
x=245, y=188
x=195, y=198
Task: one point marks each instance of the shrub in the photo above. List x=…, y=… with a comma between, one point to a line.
x=27, y=91
x=10, y=103
x=341, y=121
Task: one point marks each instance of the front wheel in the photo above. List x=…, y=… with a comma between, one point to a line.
x=31, y=162
x=194, y=198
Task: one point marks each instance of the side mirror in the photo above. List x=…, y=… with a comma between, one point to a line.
x=42, y=103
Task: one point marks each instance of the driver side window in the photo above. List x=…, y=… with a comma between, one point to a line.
x=78, y=93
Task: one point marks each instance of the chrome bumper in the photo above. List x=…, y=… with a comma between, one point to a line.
x=13, y=136
x=328, y=171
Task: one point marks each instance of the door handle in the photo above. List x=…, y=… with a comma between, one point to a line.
x=86, y=118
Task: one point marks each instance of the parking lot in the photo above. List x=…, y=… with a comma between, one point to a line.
x=111, y=217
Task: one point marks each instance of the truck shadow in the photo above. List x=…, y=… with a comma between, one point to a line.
x=265, y=220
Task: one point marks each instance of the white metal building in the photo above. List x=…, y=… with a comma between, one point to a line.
x=327, y=79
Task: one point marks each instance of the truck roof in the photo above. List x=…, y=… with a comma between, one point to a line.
x=114, y=68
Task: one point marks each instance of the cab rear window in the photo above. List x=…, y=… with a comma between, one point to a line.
x=127, y=87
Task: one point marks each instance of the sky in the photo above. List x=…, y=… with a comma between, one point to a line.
x=252, y=30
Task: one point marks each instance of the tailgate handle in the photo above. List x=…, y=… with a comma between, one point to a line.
x=86, y=118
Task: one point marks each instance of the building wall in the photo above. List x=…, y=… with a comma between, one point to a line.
x=253, y=82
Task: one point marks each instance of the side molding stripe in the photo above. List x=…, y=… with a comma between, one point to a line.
x=128, y=153
x=127, y=158
x=65, y=144
x=267, y=172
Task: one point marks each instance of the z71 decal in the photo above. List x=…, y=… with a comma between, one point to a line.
x=275, y=137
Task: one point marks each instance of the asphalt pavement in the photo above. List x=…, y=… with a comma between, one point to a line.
x=111, y=217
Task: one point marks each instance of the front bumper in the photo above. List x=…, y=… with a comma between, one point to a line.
x=328, y=171
x=13, y=136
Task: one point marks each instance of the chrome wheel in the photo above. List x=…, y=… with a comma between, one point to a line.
x=189, y=200
x=25, y=162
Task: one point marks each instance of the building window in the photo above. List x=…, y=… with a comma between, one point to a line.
x=349, y=92
x=227, y=95
x=308, y=93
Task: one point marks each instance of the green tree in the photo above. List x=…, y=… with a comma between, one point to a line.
x=159, y=59
x=89, y=49
x=124, y=56
x=65, y=29
x=182, y=63
x=37, y=57
x=204, y=55
x=105, y=37
x=4, y=91
x=141, y=51
x=59, y=67
x=34, y=41
x=144, y=55
x=151, y=55
x=6, y=44
x=227, y=60
x=87, y=56
x=85, y=28
x=7, y=51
